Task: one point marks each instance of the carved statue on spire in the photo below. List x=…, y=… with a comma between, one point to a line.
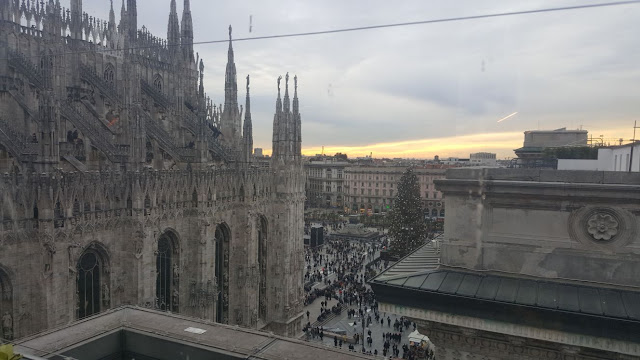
x=201, y=66
x=229, y=32
x=286, y=80
x=295, y=82
x=247, y=83
x=279, y=78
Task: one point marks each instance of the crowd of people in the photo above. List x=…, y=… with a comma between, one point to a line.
x=339, y=270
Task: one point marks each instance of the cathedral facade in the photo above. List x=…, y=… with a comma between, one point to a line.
x=124, y=184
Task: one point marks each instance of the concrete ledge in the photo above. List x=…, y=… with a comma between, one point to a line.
x=545, y=175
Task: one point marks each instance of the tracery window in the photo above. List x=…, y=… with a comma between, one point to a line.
x=168, y=273
x=46, y=68
x=157, y=82
x=92, y=285
x=109, y=74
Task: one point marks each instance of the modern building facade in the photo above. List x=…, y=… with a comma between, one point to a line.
x=482, y=159
x=625, y=158
x=535, y=141
x=124, y=184
x=534, y=264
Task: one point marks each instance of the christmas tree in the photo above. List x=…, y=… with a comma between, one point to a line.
x=407, y=230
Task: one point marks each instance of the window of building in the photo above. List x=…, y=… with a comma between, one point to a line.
x=92, y=289
x=157, y=82
x=626, y=163
x=109, y=74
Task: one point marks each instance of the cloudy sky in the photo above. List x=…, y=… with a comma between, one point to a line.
x=418, y=91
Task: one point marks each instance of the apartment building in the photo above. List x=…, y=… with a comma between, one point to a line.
x=372, y=189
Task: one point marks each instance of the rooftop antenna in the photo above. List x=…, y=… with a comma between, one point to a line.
x=633, y=143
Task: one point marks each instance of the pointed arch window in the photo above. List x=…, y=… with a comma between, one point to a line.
x=109, y=74
x=168, y=273
x=92, y=284
x=46, y=68
x=157, y=82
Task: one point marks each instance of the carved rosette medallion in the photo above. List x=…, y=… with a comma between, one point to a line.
x=602, y=226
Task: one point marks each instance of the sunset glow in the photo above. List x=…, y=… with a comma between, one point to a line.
x=501, y=143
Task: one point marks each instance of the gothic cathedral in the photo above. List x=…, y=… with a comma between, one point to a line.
x=124, y=184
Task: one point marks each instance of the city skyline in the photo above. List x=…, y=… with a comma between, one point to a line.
x=376, y=91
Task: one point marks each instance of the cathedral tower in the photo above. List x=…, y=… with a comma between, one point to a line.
x=132, y=13
x=187, y=33
x=76, y=19
x=297, y=123
x=277, y=119
x=122, y=26
x=247, y=130
x=230, y=123
x=112, y=19
x=173, y=30
x=286, y=126
x=289, y=181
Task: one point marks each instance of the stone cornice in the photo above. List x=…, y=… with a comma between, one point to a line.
x=555, y=336
x=476, y=187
